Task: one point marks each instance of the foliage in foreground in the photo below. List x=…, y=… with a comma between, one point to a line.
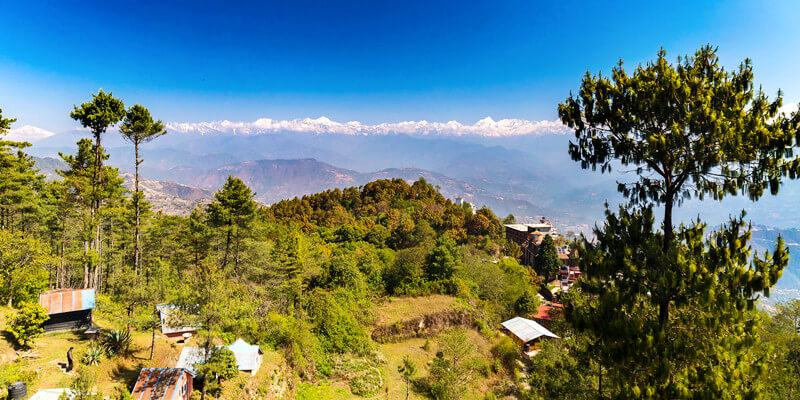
x=25, y=325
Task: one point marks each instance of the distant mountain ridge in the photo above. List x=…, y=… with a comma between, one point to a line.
x=764, y=239
x=169, y=197
x=275, y=180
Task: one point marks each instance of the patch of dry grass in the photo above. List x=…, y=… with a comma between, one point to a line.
x=397, y=309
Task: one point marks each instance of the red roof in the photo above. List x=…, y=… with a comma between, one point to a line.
x=544, y=311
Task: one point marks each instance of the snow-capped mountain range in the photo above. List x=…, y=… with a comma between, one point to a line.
x=486, y=127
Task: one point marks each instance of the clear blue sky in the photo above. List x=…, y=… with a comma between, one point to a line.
x=372, y=61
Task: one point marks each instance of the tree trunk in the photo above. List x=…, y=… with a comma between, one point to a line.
x=236, y=253
x=153, y=338
x=669, y=237
x=227, y=247
x=137, y=248
x=85, y=265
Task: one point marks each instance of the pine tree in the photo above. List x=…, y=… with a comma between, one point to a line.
x=546, y=263
x=233, y=210
x=668, y=309
x=19, y=182
x=103, y=111
x=138, y=127
x=82, y=195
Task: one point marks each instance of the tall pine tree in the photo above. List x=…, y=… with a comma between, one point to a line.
x=668, y=308
x=138, y=128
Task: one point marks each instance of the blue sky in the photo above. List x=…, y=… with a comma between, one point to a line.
x=375, y=61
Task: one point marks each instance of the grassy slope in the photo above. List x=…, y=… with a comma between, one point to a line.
x=272, y=381
x=111, y=374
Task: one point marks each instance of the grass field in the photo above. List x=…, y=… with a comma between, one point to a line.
x=396, y=309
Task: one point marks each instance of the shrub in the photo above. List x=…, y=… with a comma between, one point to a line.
x=93, y=354
x=116, y=342
x=507, y=352
x=367, y=382
x=527, y=303
x=25, y=325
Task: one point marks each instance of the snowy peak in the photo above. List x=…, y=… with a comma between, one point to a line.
x=486, y=127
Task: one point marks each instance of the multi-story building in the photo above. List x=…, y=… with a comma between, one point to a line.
x=529, y=237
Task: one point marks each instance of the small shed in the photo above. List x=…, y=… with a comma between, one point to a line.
x=68, y=309
x=171, y=325
x=163, y=384
x=248, y=356
x=527, y=333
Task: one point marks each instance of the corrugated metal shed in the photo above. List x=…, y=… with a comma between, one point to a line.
x=50, y=394
x=527, y=330
x=248, y=356
x=189, y=357
x=67, y=300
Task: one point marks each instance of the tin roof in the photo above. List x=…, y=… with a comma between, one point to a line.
x=160, y=383
x=248, y=356
x=67, y=300
x=526, y=330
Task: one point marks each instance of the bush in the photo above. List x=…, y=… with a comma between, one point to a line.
x=507, y=352
x=221, y=364
x=527, y=304
x=116, y=342
x=336, y=324
x=25, y=325
x=93, y=354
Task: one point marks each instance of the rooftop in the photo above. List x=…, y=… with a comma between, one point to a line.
x=247, y=356
x=527, y=330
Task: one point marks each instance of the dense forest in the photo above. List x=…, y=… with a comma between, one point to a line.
x=665, y=311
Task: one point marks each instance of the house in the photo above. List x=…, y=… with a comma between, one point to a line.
x=171, y=326
x=530, y=236
x=163, y=383
x=67, y=309
x=527, y=334
x=248, y=356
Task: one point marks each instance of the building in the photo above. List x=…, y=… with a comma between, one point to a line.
x=248, y=356
x=529, y=237
x=171, y=325
x=527, y=334
x=163, y=384
x=67, y=309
